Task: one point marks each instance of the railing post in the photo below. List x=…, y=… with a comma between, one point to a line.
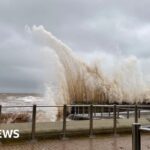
x=139, y=113
x=102, y=112
x=109, y=111
x=128, y=112
x=88, y=108
x=78, y=110
x=136, y=113
x=64, y=120
x=115, y=119
x=83, y=111
x=118, y=112
x=136, y=137
x=91, y=121
x=33, y=122
x=95, y=111
x=75, y=110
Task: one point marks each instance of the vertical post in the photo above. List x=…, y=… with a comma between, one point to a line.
x=136, y=137
x=117, y=112
x=128, y=112
x=83, y=111
x=115, y=119
x=64, y=120
x=33, y=122
x=139, y=113
x=91, y=121
x=75, y=110
x=95, y=111
x=136, y=113
x=78, y=110
x=102, y=112
x=109, y=111
x=88, y=108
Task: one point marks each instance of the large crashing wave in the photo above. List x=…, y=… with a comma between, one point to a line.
x=78, y=81
x=71, y=79
x=96, y=78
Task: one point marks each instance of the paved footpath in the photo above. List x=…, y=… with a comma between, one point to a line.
x=49, y=129
x=121, y=142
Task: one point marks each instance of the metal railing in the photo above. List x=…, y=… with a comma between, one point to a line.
x=113, y=112
x=136, y=135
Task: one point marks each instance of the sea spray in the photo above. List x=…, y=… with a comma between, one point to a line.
x=128, y=83
x=68, y=79
x=81, y=82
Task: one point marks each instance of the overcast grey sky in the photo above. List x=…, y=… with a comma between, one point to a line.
x=112, y=26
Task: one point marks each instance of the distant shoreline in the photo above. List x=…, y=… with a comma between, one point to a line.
x=20, y=94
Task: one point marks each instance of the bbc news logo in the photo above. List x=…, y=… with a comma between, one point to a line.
x=9, y=134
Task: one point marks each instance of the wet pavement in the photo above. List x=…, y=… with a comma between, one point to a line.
x=121, y=142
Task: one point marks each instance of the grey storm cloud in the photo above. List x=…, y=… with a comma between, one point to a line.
x=19, y=63
x=86, y=26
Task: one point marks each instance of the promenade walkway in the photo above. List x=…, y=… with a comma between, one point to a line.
x=109, y=142
x=51, y=129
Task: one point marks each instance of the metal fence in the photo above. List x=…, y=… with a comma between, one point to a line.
x=136, y=135
x=113, y=112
